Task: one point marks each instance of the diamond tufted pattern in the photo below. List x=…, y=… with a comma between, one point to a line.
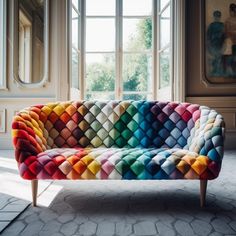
x=118, y=140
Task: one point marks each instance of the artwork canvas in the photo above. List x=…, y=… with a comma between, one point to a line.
x=220, y=41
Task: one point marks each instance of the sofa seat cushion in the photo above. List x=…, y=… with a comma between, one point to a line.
x=118, y=163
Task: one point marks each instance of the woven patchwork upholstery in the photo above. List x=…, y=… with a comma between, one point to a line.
x=118, y=139
x=119, y=163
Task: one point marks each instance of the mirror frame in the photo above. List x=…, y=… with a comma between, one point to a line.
x=3, y=45
x=15, y=56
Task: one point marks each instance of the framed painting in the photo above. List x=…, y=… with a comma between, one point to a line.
x=219, y=51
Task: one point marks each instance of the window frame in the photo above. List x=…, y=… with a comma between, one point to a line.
x=164, y=93
x=155, y=92
x=3, y=44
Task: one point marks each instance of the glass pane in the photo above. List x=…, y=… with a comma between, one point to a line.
x=100, y=96
x=163, y=3
x=137, y=72
x=165, y=27
x=100, y=7
x=75, y=8
x=135, y=96
x=75, y=69
x=100, y=72
x=100, y=35
x=137, y=7
x=165, y=68
x=137, y=34
x=74, y=32
x=74, y=14
x=76, y=4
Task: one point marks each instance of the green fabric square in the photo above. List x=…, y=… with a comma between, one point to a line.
x=132, y=110
x=96, y=126
x=133, y=142
x=126, y=118
x=130, y=159
x=114, y=133
x=90, y=134
x=108, y=142
x=133, y=125
x=120, y=126
x=127, y=134
x=120, y=142
x=122, y=167
x=137, y=167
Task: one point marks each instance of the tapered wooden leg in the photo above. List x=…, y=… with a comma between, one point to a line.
x=34, y=187
x=203, y=188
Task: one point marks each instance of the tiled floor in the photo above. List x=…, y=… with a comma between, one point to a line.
x=130, y=207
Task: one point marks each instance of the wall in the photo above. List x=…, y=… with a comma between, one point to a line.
x=222, y=98
x=14, y=97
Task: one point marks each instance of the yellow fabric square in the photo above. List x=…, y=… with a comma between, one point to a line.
x=88, y=175
x=59, y=110
x=47, y=110
x=198, y=167
x=183, y=166
x=87, y=159
x=94, y=167
x=83, y=110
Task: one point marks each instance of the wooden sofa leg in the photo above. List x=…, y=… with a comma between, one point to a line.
x=34, y=187
x=203, y=188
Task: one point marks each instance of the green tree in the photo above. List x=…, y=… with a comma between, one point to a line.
x=136, y=67
x=101, y=76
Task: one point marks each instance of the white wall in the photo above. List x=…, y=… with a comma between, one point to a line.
x=15, y=97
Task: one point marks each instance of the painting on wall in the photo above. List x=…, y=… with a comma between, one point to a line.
x=220, y=41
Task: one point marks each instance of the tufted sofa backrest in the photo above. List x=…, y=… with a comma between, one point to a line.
x=117, y=123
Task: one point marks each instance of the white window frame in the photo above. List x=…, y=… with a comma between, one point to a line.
x=164, y=93
x=3, y=44
x=156, y=93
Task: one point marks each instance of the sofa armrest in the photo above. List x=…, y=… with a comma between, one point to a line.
x=28, y=134
x=207, y=136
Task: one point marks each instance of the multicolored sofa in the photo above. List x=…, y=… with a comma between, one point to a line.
x=118, y=140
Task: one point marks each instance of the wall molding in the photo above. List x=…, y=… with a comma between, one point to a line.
x=213, y=101
x=3, y=44
x=27, y=100
x=3, y=121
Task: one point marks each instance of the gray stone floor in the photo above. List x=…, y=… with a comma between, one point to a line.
x=10, y=208
x=134, y=208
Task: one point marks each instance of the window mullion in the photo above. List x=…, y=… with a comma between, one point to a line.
x=118, y=80
x=155, y=48
x=82, y=44
x=172, y=15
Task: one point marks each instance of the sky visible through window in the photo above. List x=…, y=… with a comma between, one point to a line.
x=100, y=33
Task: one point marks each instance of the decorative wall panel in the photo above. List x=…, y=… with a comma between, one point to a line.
x=3, y=121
